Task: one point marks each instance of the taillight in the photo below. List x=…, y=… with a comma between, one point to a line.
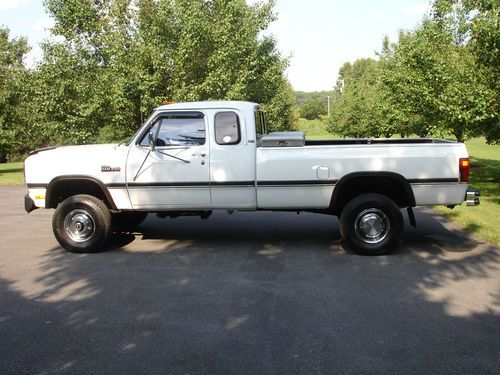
x=464, y=168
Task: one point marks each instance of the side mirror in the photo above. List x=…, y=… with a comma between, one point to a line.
x=151, y=140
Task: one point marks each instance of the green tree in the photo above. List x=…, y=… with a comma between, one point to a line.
x=13, y=80
x=119, y=59
x=432, y=84
x=303, y=97
x=361, y=110
x=412, y=72
x=476, y=25
x=314, y=109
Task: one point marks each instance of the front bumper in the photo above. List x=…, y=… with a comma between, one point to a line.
x=29, y=204
x=472, y=197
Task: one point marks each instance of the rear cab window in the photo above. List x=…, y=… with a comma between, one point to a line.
x=227, y=128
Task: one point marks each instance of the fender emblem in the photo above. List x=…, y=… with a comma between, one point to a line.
x=107, y=168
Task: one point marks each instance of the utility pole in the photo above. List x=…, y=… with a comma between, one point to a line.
x=328, y=99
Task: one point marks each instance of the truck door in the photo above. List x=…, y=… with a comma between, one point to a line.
x=176, y=174
x=232, y=161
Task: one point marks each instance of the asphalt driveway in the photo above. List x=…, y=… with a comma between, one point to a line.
x=249, y=293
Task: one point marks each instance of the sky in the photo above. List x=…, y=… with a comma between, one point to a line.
x=317, y=35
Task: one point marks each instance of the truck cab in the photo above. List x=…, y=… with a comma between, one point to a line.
x=204, y=157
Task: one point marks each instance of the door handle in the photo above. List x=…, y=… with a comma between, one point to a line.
x=202, y=155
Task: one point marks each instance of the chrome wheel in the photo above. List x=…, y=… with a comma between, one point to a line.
x=79, y=225
x=372, y=226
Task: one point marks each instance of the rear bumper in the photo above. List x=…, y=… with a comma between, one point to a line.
x=472, y=197
x=29, y=204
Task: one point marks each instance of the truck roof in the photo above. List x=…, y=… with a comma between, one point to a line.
x=241, y=105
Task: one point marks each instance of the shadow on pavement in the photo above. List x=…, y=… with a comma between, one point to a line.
x=257, y=293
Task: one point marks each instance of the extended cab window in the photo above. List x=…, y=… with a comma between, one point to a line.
x=227, y=128
x=260, y=124
x=178, y=129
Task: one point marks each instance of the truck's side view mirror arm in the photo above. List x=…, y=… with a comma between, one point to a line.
x=152, y=147
x=152, y=141
x=139, y=170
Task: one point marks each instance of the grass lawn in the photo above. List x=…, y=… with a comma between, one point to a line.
x=11, y=174
x=483, y=220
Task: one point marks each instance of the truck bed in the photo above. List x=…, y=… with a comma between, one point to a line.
x=306, y=176
x=367, y=141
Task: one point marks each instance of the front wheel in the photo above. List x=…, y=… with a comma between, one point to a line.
x=81, y=224
x=371, y=224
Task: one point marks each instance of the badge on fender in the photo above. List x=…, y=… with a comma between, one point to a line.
x=107, y=168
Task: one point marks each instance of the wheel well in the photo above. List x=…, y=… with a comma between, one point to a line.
x=392, y=185
x=63, y=187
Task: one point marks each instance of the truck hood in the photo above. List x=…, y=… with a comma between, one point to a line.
x=91, y=160
x=75, y=149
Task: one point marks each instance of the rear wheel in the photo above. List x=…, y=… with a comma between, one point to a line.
x=371, y=224
x=81, y=224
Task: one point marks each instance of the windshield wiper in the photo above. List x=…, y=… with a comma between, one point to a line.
x=164, y=153
x=172, y=156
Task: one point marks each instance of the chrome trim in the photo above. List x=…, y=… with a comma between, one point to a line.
x=372, y=226
x=79, y=225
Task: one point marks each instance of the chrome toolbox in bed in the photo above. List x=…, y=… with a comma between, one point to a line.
x=283, y=139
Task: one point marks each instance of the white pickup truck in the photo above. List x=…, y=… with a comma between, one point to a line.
x=193, y=158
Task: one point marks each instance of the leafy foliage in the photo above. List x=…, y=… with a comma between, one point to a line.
x=430, y=82
x=360, y=110
x=314, y=109
x=433, y=83
x=477, y=25
x=13, y=81
x=303, y=97
x=115, y=61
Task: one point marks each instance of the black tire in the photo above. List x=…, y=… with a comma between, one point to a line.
x=371, y=224
x=82, y=224
x=128, y=220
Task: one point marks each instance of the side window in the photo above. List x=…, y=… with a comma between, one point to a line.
x=227, y=128
x=263, y=122
x=178, y=129
x=260, y=124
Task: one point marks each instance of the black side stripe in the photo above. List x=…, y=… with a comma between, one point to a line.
x=245, y=183
x=181, y=184
x=296, y=182
x=166, y=184
x=233, y=183
x=432, y=180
